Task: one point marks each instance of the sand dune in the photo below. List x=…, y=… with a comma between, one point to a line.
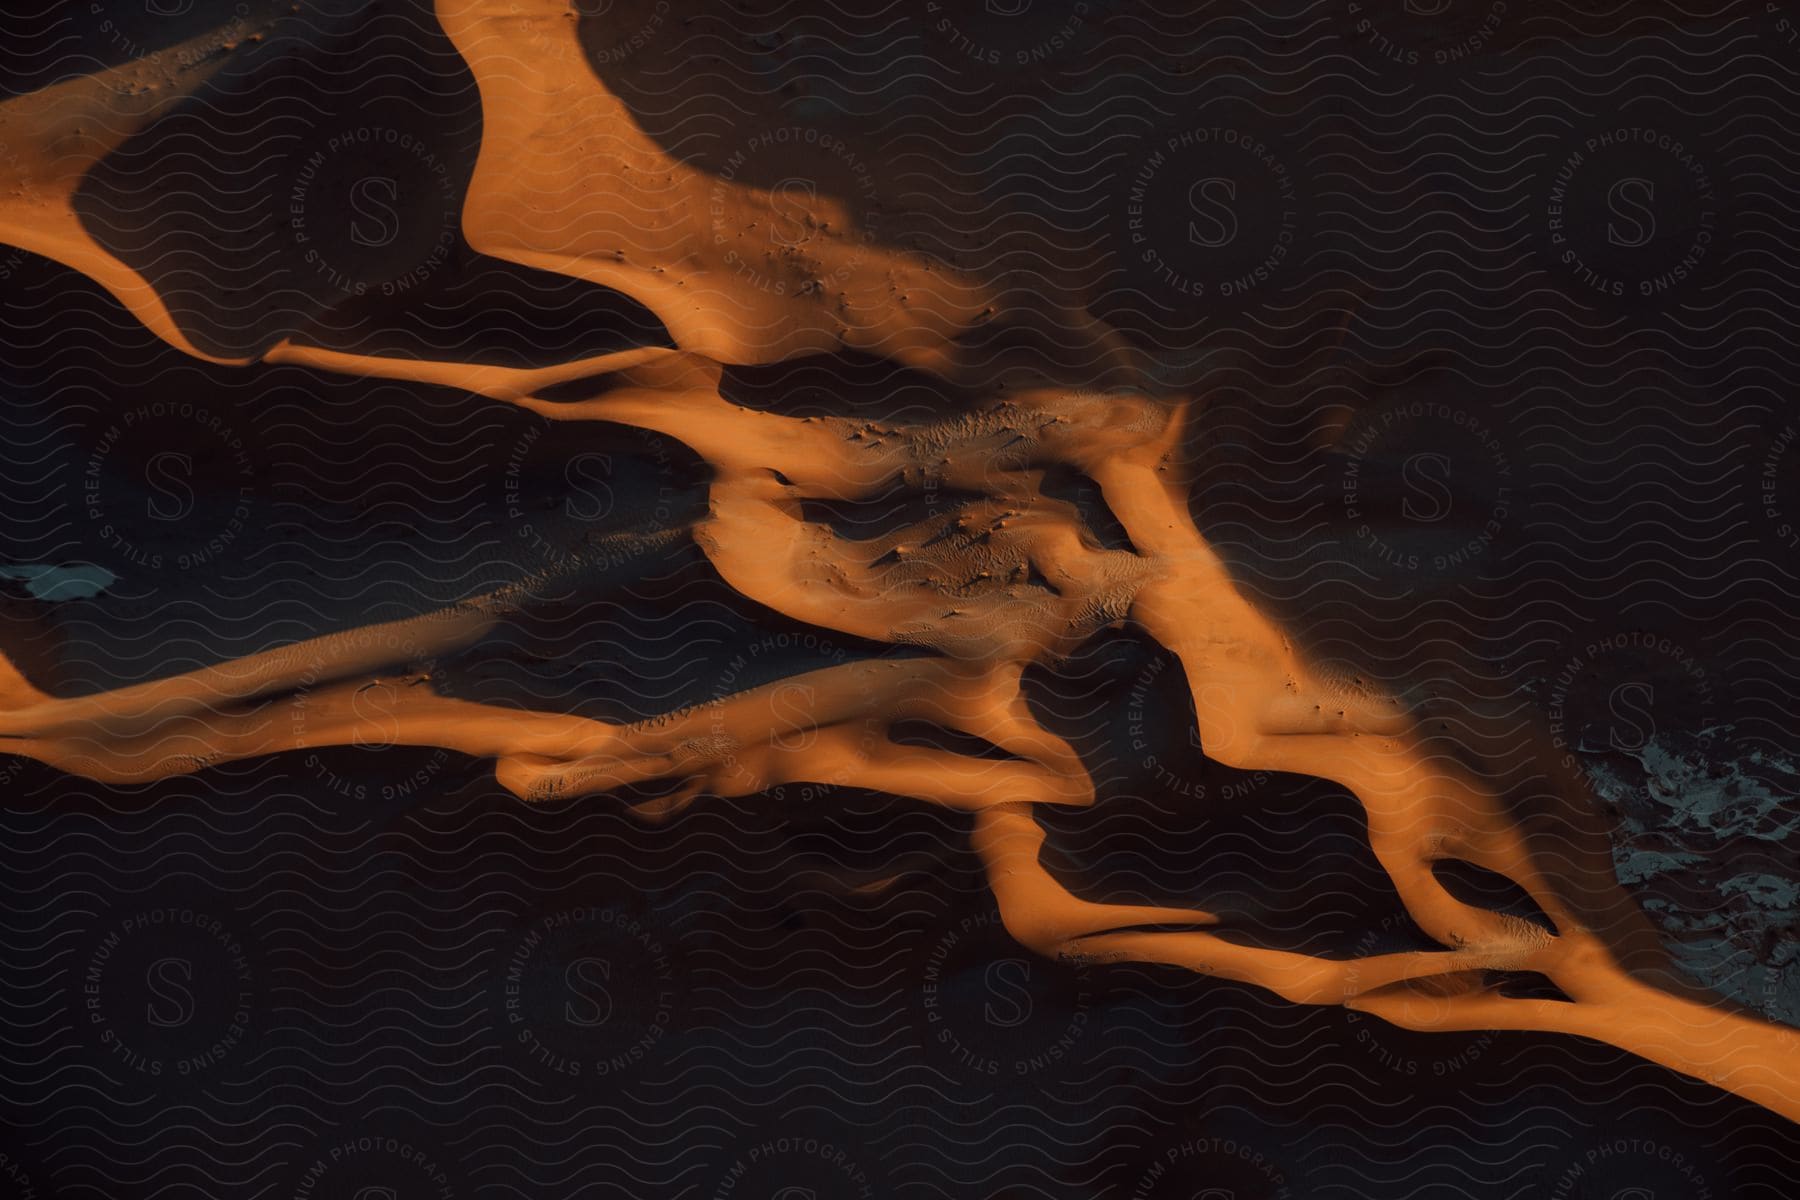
x=754, y=270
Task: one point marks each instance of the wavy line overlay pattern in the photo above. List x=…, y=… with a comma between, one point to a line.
x=1069, y=598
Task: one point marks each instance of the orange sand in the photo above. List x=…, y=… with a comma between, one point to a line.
x=566, y=182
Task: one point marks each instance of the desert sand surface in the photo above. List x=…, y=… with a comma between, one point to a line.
x=1003, y=456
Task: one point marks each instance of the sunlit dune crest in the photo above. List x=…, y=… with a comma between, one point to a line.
x=1012, y=578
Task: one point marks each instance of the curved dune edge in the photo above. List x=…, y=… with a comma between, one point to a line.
x=51, y=138
x=1004, y=583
